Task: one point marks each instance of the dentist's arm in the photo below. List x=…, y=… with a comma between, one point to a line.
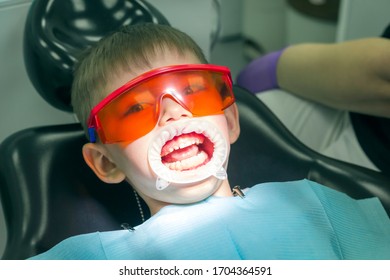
x=352, y=75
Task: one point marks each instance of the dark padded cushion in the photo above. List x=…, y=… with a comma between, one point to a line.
x=49, y=193
x=51, y=49
x=269, y=152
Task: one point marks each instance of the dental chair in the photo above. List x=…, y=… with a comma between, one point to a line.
x=49, y=193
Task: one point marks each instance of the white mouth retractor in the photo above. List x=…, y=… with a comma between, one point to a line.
x=215, y=167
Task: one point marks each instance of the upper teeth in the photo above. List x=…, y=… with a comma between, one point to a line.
x=183, y=143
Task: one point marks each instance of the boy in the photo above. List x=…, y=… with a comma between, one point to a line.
x=158, y=116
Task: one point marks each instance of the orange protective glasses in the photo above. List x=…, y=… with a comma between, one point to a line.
x=133, y=110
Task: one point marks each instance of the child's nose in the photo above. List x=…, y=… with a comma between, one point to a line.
x=170, y=111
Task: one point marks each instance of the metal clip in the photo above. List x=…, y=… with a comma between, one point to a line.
x=238, y=192
x=127, y=226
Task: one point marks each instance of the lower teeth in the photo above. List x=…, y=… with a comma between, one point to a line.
x=188, y=164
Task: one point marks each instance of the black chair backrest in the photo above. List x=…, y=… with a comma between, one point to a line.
x=49, y=193
x=270, y=152
x=51, y=49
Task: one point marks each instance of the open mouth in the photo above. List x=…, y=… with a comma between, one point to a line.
x=187, y=152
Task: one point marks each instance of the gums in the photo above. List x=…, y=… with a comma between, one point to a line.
x=187, y=151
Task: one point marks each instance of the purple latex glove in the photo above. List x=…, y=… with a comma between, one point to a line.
x=260, y=74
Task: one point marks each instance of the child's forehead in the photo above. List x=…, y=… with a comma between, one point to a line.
x=173, y=57
x=164, y=59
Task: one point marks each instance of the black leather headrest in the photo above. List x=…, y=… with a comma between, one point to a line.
x=56, y=31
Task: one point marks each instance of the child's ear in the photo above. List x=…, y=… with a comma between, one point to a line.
x=98, y=159
x=232, y=118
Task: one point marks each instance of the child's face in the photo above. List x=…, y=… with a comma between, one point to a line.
x=134, y=162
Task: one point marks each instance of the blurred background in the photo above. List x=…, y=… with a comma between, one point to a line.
x=230, y=32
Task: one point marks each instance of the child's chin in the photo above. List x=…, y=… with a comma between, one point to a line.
x=196, y=191
x=191, y=197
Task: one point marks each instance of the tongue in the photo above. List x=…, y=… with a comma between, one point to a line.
x=183, y=140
